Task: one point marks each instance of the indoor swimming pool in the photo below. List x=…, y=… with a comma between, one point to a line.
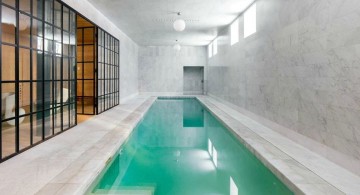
x=181, y=148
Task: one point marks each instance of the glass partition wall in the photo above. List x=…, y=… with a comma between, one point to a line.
x=108, y=71
x=37, y=72
x=38, y=78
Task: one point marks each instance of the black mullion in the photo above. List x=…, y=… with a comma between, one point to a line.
x=43, y=73
x=94, y=60
x=62, y=72
x=96, y=67
x=53, y=70
x=104, y=76
x=117, y=48
x=68, y=61
x=0, y=84
x=76, y=96
x=82, y=74
x=31, y=75
x=17, y=85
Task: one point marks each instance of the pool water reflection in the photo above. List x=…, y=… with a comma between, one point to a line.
x=180, y=148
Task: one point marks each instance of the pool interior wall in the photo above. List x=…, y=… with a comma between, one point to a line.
x=181, y=148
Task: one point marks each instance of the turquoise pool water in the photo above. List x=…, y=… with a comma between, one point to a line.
x=181, y=149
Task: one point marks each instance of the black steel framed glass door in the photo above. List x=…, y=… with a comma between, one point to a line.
x=86, y=64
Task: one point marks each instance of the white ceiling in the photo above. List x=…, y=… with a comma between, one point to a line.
x=149, y=22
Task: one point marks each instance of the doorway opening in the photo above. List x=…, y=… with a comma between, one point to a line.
x=86, y=69
x=193, y=80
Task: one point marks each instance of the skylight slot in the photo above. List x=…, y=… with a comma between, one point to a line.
x=250, y=21
x=215, y=46
x=234, y=32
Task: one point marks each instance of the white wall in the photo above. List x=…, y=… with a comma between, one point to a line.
x=128, y=48
x=161, y=68
x=300, y=70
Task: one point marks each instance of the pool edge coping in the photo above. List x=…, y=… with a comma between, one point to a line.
x=283, y=177
x=84, y=186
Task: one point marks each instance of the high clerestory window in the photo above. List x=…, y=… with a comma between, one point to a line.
x=250, y=21
x=210, y=52
x=215, y=46
x=234, y=32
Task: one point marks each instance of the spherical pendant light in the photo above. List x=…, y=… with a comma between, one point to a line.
x=179, y=25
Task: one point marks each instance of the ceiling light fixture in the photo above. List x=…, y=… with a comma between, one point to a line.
x=179, y=24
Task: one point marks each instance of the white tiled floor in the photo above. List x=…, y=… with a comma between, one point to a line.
x=68, y=163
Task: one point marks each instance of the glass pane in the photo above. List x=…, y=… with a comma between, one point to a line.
x=9, y=2
x=79, y=70
x=72, y=68
x=48, y=66
x=66, y=114
x=89, y=35
x=88, y=53
x=37, y=96
x=24, y=97
x=88, y=70
x=57, y=120
x=25, y=5
x=66, y=42
x=66, y=75
x=66, y=19
x=72, y=91
x=38, y=8
x=36, y=34
x=8, y=63
x=79, y=54
x=49, y=11
x=37, y=65
x=8, y=100
x=24, y=64
x=57, y=68
x=37, y=127
x=89, y=105
x=24, y=29
x=24, y=132
x=79, y=88
x=48, y=123
x=8, y=138
x=48, y=95
x=57, y=13
x=8, y=25
x=49, y=38
x=89, y=88
x=65, y=91
x=58, y=49
x=72, y=22
x=72, y=114
x=79, y=36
